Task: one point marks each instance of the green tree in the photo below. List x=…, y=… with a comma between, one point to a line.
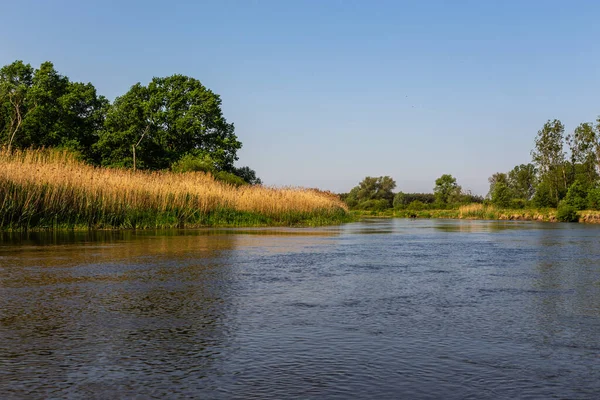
x=497, y=178
x=446, y=189
x=399, y=200
x=41, y=108
x=584, y=144
x=543, y=196
x=248, y=175
x=549, y=158
x=372, y=188
x=522, y=179
x=593, y=199
x=577, y=195
x=160, y=123
x=15, y=81
x=502, y=195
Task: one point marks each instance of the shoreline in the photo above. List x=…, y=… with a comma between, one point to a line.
x=484, y=214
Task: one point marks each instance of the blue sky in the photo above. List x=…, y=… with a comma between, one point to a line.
x=324, y=93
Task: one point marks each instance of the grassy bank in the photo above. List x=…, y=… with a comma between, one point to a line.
x=50, y=190
x=479, y=211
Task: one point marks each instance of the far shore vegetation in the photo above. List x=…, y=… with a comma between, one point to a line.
x=561, y=183
x=163, y=155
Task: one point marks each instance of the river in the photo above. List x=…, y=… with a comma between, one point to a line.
x=375, y=309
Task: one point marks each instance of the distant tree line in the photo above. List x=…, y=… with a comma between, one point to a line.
x=563, y=174
x=376, y=194
x=172, y=123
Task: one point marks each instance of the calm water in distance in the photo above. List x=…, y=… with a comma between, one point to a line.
x=376, y=309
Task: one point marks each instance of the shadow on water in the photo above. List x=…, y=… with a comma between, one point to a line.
x=141, y=305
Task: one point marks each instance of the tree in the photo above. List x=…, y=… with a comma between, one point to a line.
x=584, y=144
x=497, y=178
x=248, y=175
x=522, y=180
x=41, y=108
x=446, y=189
x=164, y=121
x=371, y=189
x=502, y=195
x=549, y=158
x=577, y=196
x=15, y=80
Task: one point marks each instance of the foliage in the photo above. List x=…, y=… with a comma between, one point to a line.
x=446, y=189
x=577, y=196
x=502, y=194
x=416, y=205
x=401, y=200
x=566, y=212
x=170, y=118
x=248, y=175
x=41, y=108
x=374, y=205
x=191, y=163
x=584, y=144
x=149, y=127
x=371, y=188
x=522, y=180
x=549, y=158
x=593, y=199
x=543, y=196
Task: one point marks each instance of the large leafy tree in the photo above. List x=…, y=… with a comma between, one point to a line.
x=160, y=123
x=41, y=108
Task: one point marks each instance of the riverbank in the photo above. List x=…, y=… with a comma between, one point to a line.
x=481, y=212
x=53, y=190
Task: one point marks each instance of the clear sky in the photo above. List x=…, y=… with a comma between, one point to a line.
x=326, y=92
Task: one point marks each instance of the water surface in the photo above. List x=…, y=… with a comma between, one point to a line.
x=376, y=309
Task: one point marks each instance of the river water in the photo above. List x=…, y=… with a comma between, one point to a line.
x=376, y=309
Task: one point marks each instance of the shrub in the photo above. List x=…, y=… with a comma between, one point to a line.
x=593, y=199
x=190, y=163
x=543, y=196
x=518, y=203
x=566, y=212
x=374, y=205
x=228, y=177
x=416, y=205
x=576, y=196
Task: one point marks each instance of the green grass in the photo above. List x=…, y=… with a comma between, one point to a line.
x=481, y=212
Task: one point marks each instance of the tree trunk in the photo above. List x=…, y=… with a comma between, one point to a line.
x=137, y=144
x=19, y=120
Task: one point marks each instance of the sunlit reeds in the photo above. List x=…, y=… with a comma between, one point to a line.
x=45, y=188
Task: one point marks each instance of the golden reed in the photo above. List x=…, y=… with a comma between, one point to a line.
x=57, y=180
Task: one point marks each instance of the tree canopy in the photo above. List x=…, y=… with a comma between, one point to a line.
x=150, y=127
x=170, y=118
x=41, y=108
x=446, y=189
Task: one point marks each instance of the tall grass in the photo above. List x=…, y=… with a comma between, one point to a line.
x=480, y=211
x=52, y=189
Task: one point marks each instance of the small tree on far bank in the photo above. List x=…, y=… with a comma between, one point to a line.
x=372, y=189
x=446, y=190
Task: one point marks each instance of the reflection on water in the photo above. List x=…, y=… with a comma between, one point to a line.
x=380, y=308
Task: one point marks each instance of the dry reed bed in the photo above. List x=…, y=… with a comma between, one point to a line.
x=51, y=180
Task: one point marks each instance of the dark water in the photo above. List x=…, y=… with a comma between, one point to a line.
x=379, y=309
